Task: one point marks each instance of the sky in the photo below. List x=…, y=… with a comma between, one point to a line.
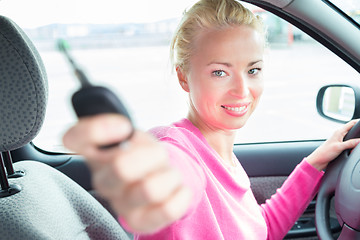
x=346, y=5
x=35, y=13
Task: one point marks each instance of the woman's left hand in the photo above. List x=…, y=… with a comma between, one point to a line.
x=332, y=147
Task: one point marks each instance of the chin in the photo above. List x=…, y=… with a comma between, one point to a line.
x=234, y=125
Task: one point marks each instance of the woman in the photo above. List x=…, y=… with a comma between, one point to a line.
x=189, y=184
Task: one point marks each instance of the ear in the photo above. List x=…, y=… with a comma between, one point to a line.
x=182, y=79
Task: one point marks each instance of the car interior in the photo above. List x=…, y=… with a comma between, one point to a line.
x=48, y=195
x=33, y=193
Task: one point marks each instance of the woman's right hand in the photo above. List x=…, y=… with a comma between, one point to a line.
x=135, y=177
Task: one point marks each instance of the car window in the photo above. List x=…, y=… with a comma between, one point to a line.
x=127, y=50
x=349, y=7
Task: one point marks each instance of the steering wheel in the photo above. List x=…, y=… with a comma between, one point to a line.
x=342, y=179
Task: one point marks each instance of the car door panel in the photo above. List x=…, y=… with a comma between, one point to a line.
x=280, y=159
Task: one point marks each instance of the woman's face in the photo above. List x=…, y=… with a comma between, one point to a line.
x=225, y=79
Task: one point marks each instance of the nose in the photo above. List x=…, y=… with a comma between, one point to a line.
x=239, y=88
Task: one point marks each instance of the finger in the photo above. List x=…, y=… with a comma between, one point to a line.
x=350, y=144
x=91, y=132
x=340, y=133
x=154, y=189
x=135, y=162
x=160, y=215
x=349, y=125
x=124, y=165
x=106, y=184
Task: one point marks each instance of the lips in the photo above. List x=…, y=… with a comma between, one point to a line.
x=237, y=109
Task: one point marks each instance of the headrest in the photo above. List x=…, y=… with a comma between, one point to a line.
x=23, y=87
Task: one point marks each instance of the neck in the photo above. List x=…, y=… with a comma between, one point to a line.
x=220, y=140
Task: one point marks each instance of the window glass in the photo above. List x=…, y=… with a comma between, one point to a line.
x=127, y=49
x=350, y=7
x=296, y=68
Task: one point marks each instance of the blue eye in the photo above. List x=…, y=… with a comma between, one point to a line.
x=254, y=71
x=219, y=73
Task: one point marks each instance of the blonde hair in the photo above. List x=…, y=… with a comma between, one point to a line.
x=208, y=14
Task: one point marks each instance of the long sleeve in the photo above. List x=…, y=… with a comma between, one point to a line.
x=286, y=206
x=223, y=206
x=192, y=174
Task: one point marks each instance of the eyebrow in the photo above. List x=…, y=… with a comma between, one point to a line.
x=230, y=65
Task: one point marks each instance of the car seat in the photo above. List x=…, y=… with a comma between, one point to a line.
x=36, y=200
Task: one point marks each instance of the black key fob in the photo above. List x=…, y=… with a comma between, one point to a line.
x=94, y=100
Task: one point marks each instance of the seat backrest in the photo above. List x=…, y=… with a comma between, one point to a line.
x=48, y=204
x=23, y=87
x=52, y=206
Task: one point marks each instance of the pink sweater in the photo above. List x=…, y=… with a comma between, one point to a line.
x=224, y=206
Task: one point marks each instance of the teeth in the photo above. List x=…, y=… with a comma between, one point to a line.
x=236, y=109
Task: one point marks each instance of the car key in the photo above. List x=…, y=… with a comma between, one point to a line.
x=91, y=100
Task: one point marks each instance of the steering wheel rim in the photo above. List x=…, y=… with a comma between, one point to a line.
x=342, y=180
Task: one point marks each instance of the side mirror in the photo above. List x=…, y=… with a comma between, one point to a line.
x=339, y=103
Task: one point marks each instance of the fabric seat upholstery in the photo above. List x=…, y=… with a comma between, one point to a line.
x=50, y=205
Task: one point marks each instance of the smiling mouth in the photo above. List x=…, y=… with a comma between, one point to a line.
x=234, y=109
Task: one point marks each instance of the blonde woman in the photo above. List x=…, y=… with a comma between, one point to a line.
x=188, y=184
